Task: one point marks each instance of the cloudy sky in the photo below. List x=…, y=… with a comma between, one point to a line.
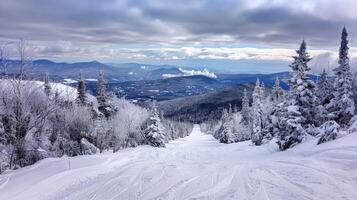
x=235, y=35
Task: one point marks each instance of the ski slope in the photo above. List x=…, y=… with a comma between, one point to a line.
x=195, y=167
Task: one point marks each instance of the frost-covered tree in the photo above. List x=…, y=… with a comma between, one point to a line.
x=154, y=135
x=291, y=117
x=277, y=93
x=81, y=91
x=324, y=88
x=324, y=94
x=4, y=59
x=46, y=85
x=262, y=91
x=342, y=106
x=245, y=108
x=102, y=96
x=288, y=128
x=302, y=88
x=257, y=115
x=227, y=135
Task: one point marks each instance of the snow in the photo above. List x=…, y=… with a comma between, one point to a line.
x=194, y=167
x=65, y=91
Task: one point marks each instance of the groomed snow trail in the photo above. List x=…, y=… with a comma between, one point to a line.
x=195, y=167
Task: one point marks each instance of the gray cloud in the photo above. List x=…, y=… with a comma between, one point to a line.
x=139, y=24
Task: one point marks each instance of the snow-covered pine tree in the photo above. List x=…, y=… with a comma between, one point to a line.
x=227, y=127
x=235, y=108
x=154, y=134
x=277, y=93
x=342, y=106
x=245, y=108
x=262, y=91
x=46, y=85
x=324, y=88
x=102, y=97
x=288, y=128
x=302, y=88
x=324, y=94
x=81, y=91
x=292, y=116
x=257, y=115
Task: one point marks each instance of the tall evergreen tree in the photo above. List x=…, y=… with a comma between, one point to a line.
x=277, y=93
x=302, y=88
x=296, y=114
x=324, y=88
x=245, y=108
x=102, y=97
x=324, y=94
x=342, y=106
x=81, y=91
x=154, y=134
x=47, y=85
x=257, y=109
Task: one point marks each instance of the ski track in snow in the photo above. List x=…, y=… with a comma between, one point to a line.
x=196, y=167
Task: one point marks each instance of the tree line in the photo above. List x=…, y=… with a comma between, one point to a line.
x=41, y=119
x=320, y=109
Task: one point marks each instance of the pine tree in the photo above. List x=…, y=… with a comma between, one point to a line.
x=245, y=108
x=227, y=126
x=289, y=130
x=291, y=117
x=47, y=85
x=262, y=91
x=257, y=135
x=154, y=133
x=277, y=93
x=324, y=94
x=102, y=97
x=324, y=88
x=342, y=106
x=302, y=88
x=81, y=91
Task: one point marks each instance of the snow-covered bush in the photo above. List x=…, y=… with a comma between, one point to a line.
x=328, y=131
x=87, y=147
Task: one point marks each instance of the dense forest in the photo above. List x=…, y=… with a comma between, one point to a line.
x=319, y=109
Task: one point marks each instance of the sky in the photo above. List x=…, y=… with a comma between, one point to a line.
x=227, y=35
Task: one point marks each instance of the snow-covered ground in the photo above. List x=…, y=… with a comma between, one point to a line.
x=195, y=167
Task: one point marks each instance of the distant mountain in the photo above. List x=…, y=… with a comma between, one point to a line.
x=141, y=82
x=113, y=72
x=206, y=106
